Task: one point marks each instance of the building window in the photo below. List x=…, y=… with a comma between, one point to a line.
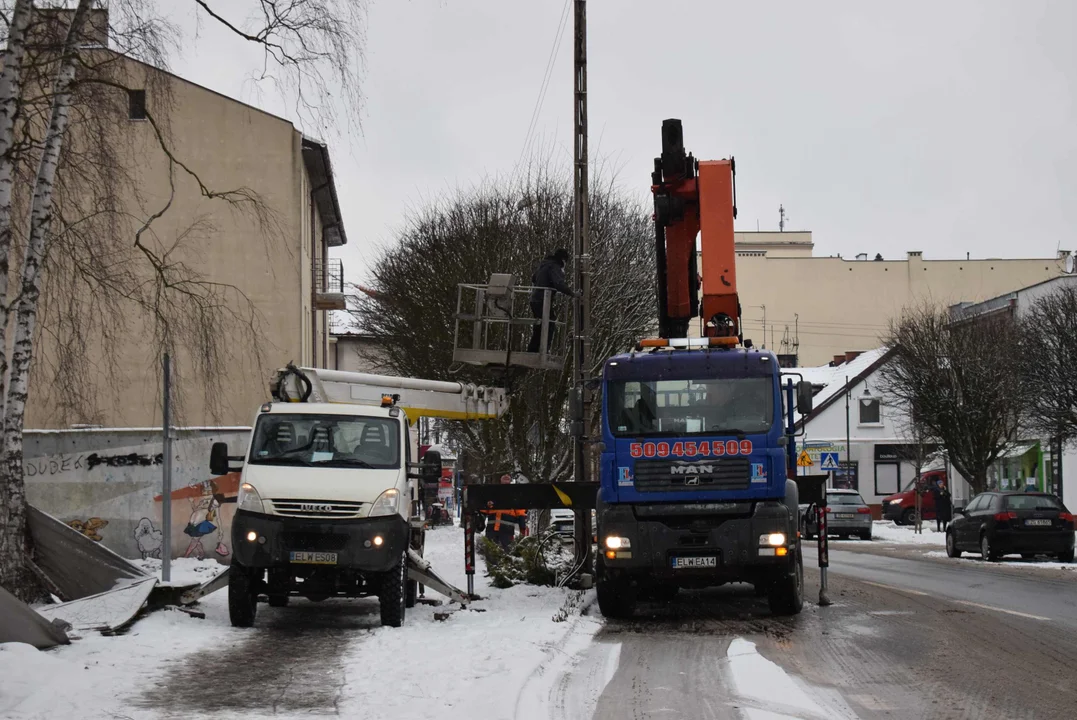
x=136, y=104
x=870, y=411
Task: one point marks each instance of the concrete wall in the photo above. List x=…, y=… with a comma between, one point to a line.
x=231, y=146
x=846, y=304
x=107, y=485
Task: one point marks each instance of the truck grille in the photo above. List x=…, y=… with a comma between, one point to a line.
x=716, y=474
x=317, y=508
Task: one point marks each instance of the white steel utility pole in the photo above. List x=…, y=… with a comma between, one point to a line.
x=582, y=246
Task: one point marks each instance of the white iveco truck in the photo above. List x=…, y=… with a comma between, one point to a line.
x=329, y=501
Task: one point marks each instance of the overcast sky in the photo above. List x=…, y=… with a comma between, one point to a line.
x=947, y=127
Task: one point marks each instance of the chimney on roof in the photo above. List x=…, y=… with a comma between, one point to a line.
x=918, y=254
x=851, y=355
x=838, y=360
x=862, y=256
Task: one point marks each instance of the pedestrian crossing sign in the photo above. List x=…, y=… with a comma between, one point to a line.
x=804, y=460
x=829, y=461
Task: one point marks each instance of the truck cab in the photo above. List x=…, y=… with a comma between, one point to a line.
x=324, y=507
x=693, y=487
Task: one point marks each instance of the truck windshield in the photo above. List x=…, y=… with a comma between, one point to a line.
x=691, y=407
x=326, y=440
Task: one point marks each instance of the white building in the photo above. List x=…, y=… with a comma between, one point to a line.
x=856, y=436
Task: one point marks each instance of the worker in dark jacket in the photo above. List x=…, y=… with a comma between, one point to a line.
x=550, y=274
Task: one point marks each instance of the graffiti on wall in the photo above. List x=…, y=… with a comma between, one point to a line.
x=202, y=517
x=89, y=527
x=149, y=539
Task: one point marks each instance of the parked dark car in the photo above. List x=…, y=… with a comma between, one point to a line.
x=1005, y=523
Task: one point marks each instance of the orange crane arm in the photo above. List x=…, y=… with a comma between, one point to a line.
x=694, y=198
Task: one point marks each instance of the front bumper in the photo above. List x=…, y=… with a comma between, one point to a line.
x=732, y=540
x=346, y=538
x=892, y=512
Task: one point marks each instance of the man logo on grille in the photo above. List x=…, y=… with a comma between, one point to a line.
x=685, y=469
x=692, y=480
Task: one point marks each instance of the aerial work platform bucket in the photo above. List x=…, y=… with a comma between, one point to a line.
x=494, y=324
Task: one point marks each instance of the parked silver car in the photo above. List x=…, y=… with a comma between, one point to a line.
x=848, y=515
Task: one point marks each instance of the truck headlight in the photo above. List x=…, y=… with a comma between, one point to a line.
x=386, y=504
x=772, y=539
x=615, y=542
x=249, y=499
x=895, y=502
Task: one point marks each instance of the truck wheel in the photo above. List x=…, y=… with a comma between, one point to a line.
x=786, y=596
x=393, y=593
x=616, y=597
x=242, y=597
x=908, y=517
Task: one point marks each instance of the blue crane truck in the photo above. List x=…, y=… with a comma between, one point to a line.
x=697, y=433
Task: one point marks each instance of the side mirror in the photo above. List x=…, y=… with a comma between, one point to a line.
x=959, y=511
x=804, y=397
x=218, y=459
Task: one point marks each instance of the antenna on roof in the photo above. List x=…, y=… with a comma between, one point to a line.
x=781, y=218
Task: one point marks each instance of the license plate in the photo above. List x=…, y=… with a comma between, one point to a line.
x=1038, y=522
x=313, y=558
x=685, y=563
x=844, y=516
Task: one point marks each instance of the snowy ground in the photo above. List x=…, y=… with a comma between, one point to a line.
x=886, y=531
x=1040, y=563
x=507, y=648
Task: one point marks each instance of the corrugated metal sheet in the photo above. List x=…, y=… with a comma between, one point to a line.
x=78, y=566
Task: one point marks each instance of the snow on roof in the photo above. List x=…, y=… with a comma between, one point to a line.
x=833, y=378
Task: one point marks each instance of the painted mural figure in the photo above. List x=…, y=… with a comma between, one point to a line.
x=204, y=521
x=148, y=539
x=89, y=527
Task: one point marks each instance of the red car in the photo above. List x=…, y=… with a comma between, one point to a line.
x=901, y=507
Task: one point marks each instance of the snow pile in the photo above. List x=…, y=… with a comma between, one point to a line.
x=1037, y=564
x=887, y=531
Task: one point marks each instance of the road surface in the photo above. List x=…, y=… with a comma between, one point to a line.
x=906, y=637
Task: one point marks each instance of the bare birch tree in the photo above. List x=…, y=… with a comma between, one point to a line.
x=498, y=227
x=85, y=233
x=962, y=381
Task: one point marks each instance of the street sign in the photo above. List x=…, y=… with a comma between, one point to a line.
x=804, y=460
x=829, y=461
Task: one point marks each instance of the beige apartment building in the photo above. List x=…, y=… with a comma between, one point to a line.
x=281, y=267
x=820, y=307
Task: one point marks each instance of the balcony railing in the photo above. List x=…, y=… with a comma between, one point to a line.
x=329, y=284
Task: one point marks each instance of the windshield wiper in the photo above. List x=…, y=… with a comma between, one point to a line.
x=729, y=431
x=281, y=460
x=351, y=462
